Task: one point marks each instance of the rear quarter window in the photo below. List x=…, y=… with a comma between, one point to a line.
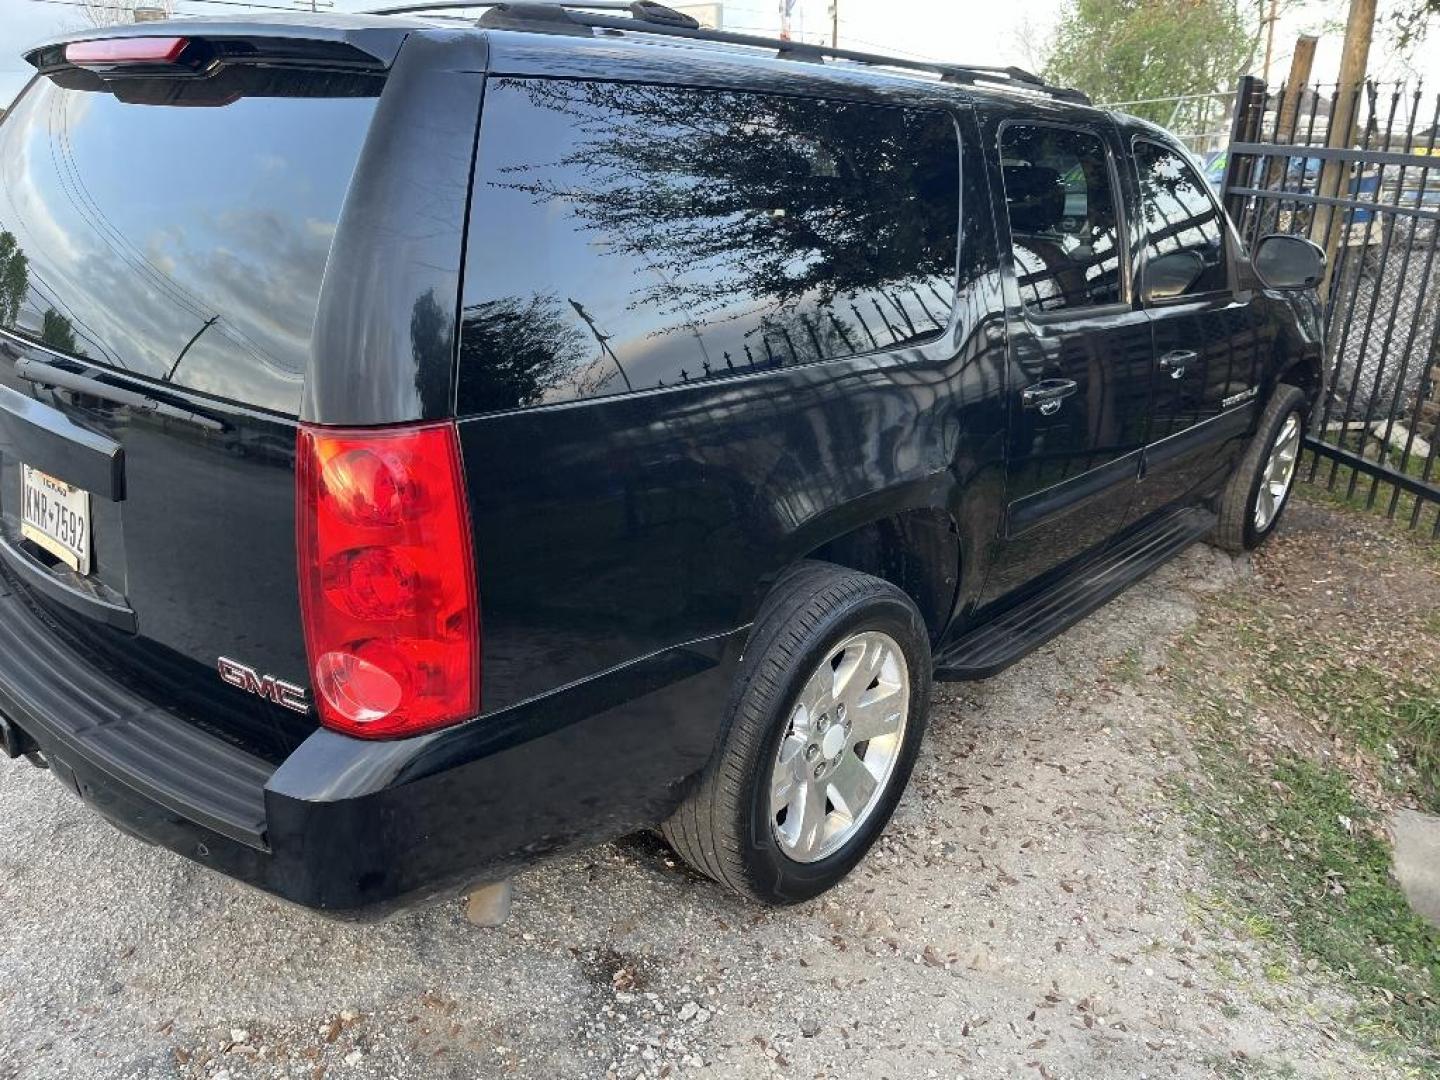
x=178, y=232
x=626, y=237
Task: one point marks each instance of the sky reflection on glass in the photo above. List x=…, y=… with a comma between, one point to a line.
x=183, y=243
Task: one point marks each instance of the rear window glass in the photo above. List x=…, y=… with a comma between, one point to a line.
x=627, y=237
x=182, y=234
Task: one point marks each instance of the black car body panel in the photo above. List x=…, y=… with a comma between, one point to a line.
x=385, y=329
x=625, y=534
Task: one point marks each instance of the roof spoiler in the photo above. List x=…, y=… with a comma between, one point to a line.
x=338, y=44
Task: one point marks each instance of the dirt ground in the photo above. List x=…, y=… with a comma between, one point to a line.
x=1036, y=909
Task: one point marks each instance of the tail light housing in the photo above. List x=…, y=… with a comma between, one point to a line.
x=114, y=52
x=387, y=579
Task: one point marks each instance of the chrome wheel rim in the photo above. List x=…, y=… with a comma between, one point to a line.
x=1279, y=473
x=841, y=742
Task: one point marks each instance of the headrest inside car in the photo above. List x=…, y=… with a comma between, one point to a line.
x=1035, y=197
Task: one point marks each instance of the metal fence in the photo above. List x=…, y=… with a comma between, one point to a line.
x=1372, y=201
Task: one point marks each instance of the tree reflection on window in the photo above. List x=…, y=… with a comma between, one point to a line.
x=1179, y=215
x=645, y=236
x=1063, y=223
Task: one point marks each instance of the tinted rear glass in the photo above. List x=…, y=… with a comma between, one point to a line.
x=627, y=237
x=182, y=241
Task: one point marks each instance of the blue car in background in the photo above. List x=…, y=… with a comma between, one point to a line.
x=1301, y=175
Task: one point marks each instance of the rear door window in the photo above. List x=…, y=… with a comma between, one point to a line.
x=626, y=237
x=178, y=231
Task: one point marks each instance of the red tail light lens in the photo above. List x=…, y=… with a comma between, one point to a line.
x=392, y=619
x=132, y=50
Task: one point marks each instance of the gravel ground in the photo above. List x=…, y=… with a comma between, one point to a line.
x=1034, y=910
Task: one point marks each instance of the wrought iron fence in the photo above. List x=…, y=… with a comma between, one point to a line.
x=1372, y=201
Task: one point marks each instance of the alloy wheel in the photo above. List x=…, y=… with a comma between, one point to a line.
x=1279, y=473
x=840, y=746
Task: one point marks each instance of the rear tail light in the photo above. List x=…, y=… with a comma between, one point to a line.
x=127, y=50
x=392, y=619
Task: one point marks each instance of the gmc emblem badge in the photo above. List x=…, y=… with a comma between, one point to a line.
x=243, y=677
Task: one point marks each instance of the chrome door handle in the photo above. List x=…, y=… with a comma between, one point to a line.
x=1047, y=395
x=1175, y=360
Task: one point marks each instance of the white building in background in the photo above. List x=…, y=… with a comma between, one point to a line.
x=709, y=15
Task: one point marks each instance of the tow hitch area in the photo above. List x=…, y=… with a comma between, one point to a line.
x=14, y=742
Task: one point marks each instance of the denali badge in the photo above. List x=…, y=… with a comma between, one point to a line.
x=1236, y=399
x=248, y=679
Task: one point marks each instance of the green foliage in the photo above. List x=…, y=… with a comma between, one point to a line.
x=1308, y=853
x=1307, y=737
x=1410, y=22
x=57, y=332
x=1128, y=50
x=1308, y=858
x=14, y=278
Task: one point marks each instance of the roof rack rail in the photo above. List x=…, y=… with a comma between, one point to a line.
x=649, y=17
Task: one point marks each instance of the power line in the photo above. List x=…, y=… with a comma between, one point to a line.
x=903, y=54
x=131, y=7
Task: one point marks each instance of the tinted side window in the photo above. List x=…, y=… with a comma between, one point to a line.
x=179, y=229
x=1179, y=215
x=1063, y=226
x=625, y=237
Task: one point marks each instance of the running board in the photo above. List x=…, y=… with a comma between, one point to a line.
x=1020, y=630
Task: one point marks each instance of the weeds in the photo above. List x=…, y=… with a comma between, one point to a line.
x=1308, y=859
x=1293, y=721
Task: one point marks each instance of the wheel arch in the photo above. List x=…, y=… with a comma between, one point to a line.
x=1299, y=347
x=918, y=551
x=908, y=537
x=1303, y=371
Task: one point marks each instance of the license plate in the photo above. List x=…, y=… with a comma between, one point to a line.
x=56, y=515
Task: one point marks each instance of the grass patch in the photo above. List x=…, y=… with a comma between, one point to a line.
x=1392, y=714
x=1245, y=1068
x=1332, y=484
x=1129, y=669
x=1396, y=721
x=1309, y=728
x=1307, y=859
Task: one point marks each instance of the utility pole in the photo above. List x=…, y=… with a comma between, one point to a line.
x=1301, y=61
x=1269, y=21
x=834, y=24
x=1354, y=56
x=194, y=338
x=602, y=339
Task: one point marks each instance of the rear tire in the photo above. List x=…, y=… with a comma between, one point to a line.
x=1259, y=489
x=835, y=654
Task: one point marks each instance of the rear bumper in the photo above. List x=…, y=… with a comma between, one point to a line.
x=359, y=828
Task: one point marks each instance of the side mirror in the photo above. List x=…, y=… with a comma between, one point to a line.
x=1288, y=262
x=1169, y=275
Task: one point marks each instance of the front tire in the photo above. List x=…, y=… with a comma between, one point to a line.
x=823, y=728
x=1259, y=489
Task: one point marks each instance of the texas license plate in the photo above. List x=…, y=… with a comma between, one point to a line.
x=56, y=515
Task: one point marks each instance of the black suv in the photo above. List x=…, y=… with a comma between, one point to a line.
x=427, y=445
